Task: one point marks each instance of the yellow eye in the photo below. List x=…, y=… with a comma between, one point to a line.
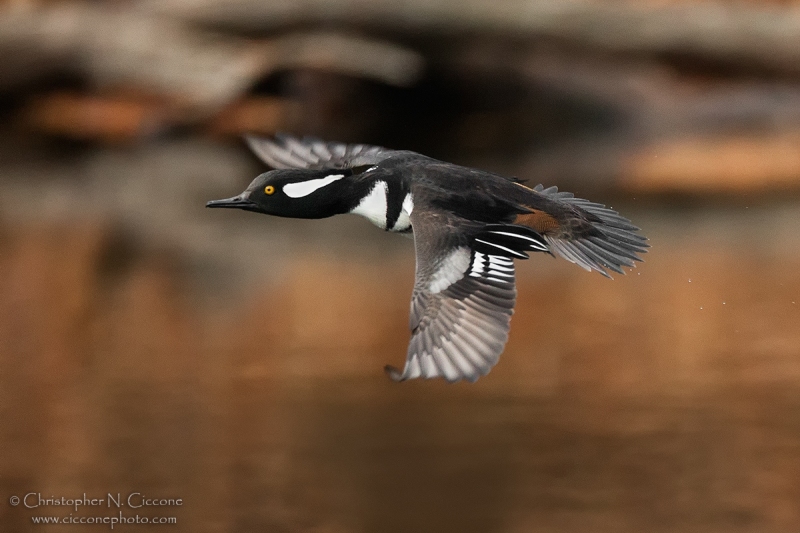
x=269, y=189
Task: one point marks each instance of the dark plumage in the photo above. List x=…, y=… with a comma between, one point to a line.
x=468, y=226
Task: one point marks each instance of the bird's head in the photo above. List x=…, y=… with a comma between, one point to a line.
x=296, y=193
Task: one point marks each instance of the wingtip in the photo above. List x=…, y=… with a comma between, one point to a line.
x=393, y=373
x=284, y=137
x=252, y=140
x=605, y=273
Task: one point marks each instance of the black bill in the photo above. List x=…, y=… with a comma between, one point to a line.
x=237, y=202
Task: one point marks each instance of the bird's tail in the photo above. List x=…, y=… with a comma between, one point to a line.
x=588, y=234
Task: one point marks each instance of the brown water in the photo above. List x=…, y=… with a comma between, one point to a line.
x=667, y=400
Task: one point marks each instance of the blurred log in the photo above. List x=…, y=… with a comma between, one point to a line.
x=716, y=164
x=254, y=115
x=767, y=35
x=124, y=47
x=127, y=117
x=343, y=54
x=202, y=71
x=645, y=127
x=83, y=117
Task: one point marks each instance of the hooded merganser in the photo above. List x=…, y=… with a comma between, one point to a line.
x=468, y=227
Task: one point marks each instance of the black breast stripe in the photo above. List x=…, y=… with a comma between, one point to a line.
x=394, y=201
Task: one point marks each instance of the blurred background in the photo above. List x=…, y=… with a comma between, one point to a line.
x=235, y=361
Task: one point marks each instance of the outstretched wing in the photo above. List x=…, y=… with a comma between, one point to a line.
x=463, y=297
x=585, y=233
x=289, y=152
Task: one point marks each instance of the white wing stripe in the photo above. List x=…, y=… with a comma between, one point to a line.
x=509, y=250
x=536, y=243
x=497, y=266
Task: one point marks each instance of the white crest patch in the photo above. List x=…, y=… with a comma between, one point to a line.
x=450, y=270
x=304, y=188
x=373, y=205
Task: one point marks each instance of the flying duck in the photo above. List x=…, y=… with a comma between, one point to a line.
x=468, y=227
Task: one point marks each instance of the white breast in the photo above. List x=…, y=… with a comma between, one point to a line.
x=373, y=205
x=404, y=220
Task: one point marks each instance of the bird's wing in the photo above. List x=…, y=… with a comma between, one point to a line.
x=588, y=234
x=463, y=298
x=289, y=152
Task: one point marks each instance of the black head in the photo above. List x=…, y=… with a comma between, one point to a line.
x=297, y=193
